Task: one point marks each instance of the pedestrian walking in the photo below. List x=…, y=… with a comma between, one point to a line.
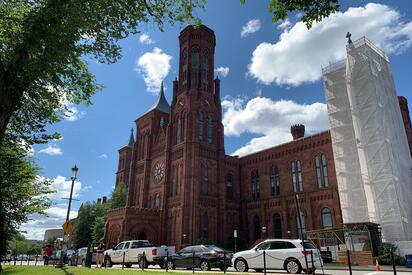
x=47, y=252
x=99, y=255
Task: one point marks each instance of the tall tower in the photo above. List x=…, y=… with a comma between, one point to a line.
x=372, y=159
x=195, y=142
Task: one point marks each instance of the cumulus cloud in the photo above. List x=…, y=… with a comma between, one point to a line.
x=284, y=24
x=222, y=71
x=62, y=187
x=270, y=119
x=144, y=38
x=251, y=26
x=153, y=67
x=70, y=111
x=299, y=53
x=103, y=156
x=51, y=150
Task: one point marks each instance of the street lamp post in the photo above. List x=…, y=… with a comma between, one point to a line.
x=73, y=178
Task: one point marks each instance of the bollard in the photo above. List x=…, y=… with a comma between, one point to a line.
x=77, y=259
x=313, y=263
x=143, y=260
x=224, y=262
x=124, y=253
x=21, y=260
x=28, y=260
x=393, y=263
x=349, y=263
x=14, y=259
x=264, y=262
x=167, y=259
x=35, y=261
x=193, y=262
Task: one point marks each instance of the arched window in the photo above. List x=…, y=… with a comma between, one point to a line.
x=321, y=167
x=210, y=130
x=327, y=218
x=205, y=70
x=195, y=66
x=204, y=226
x=277, y=225
x=255, y=184
x=179, y=131
x=303, y=219
x=229, y=187
x=296, y=170
x=157, y=200
x=256, y=228
x=205, y=179
x=201, y=125
x=274, y=181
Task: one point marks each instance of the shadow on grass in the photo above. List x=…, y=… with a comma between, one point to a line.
x=66, y=272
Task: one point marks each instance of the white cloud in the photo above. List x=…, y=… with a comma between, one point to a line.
x=62, y=187
x=144, y=38
x=70, y=111
x=222, y=71
x=271, y=120
x=284, y=24
x=299, y=53
x=103, y=156
x=51, y=150
x=153, y=67
x=251, y=26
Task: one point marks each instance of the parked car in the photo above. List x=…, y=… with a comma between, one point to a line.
x=204, y=257
x=78, y=257
x=132, y=252
x=280, y=254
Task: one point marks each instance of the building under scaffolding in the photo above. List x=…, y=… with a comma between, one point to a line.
x=371, y=153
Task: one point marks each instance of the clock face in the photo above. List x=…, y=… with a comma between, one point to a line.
x=159, y=171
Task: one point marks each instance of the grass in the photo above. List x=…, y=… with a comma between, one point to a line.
x=50, y=270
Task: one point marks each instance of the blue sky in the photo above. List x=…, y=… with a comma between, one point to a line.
x=270, y=78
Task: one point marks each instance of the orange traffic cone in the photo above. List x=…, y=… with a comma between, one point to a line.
x=378, y=268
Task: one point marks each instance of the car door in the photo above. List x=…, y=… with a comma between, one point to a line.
x=276, y=254
x=117, y=253
x=255, y=259
x=125, y=251
x=181, y=259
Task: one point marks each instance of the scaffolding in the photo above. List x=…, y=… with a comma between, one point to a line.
x=372, y=159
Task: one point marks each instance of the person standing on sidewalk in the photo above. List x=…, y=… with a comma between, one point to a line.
x=47, y=254
x=99, y=255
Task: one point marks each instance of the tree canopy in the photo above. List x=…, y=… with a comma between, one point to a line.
x=118, y=196
x=312, y=10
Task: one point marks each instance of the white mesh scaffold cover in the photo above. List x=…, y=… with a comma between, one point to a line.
x=372, y=158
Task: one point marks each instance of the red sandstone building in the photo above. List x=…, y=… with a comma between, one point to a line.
x=182, y=186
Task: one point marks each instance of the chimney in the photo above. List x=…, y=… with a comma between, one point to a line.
x=99, y=200
x=297, y=131
x=104, y=200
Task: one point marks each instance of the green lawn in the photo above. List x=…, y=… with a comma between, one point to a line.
x=50, y=270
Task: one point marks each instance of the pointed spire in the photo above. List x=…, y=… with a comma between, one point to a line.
x=161, y=103
x=131, y=139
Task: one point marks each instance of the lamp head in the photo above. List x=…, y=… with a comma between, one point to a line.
x=74, y=172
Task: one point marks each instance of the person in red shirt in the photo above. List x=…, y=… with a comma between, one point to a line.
x=47, y=251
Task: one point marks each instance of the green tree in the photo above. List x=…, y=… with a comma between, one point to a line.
x=45, y=45
x=22, y=191
x=85, y=220
x=118, y=197
x=313, y=10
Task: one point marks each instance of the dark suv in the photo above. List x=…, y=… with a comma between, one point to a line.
x=204, y=257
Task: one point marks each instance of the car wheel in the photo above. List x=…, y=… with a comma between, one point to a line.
x=241, y=265
x=204, y=265
x=258, y=270
x=293, y=266
x=170, y=265
x=107, y=262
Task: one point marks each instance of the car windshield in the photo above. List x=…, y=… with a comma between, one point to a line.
x=308, y=245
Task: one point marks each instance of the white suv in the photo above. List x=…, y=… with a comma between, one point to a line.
x=280, y=254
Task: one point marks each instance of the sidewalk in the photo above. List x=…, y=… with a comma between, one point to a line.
x=365, y=268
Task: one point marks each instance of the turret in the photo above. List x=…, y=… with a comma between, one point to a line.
x=297, y=131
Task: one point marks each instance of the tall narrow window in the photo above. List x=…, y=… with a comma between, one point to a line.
x=229, y=187
x=256, y=228
x=201, y=125
x=303, y=220
x=255, y=184
x=179, y=131
x=210, y=130
x=327, y=218
x=296, y=170
x=274, y=181
x=205, y=226
x=184, y=76
x=321, y=168
x=277, y=226
x=195, y=67
x=173, y=189
x=205, y=70
x=205, y=179
x=157, y=200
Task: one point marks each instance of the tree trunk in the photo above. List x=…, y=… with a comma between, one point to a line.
x=6, y=106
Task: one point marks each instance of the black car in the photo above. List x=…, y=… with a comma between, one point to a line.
x=204, y=257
